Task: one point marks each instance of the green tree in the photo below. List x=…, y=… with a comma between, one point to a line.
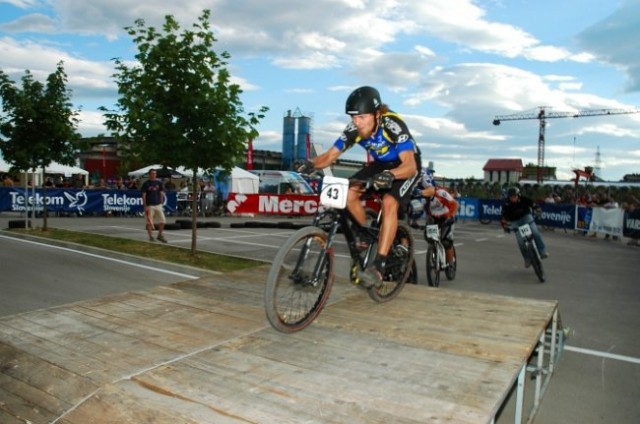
x=177, y=105
x=38, y=123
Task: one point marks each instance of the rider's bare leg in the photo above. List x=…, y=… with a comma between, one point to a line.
x=390, y=207
x=449, y=252
x=354, y=205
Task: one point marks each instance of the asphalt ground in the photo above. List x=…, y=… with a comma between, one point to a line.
x=595, y=281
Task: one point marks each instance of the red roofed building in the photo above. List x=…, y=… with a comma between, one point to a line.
x=503, y=170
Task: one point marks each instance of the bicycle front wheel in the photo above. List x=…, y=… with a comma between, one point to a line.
x=536, y=263
x=433, y=266
x=299, y=281
x=399, y=266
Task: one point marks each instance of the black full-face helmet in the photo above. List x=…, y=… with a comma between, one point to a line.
x=513, y=191
x=363, y=100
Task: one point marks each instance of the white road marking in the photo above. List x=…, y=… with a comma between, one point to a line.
x=601, y=354
x=106, y=258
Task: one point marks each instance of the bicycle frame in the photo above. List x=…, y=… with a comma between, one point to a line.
x=531, y=248
x=302, y=273
x=432, y=235
x=342, y=220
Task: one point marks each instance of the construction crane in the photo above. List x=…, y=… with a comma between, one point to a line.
x=541, y=114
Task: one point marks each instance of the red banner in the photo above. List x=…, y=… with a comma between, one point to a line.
x=272, y=204
x=250, y=155
x=280, y=204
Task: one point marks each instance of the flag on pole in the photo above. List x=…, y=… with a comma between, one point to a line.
x=250, y=155
x=308, y=147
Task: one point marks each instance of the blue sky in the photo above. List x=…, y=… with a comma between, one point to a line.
x=447, y=66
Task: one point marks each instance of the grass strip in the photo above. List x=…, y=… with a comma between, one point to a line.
x=157, y=251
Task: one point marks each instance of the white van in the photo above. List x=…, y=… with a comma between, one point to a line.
x=282, y=182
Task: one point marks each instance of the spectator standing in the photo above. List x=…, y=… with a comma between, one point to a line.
x=153, y=199
x=78, y=181
x=7, y=181
x=170, y=185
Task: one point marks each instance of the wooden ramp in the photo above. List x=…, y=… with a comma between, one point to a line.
x=202, y=352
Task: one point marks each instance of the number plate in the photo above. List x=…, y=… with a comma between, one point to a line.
x=433, y=232
x=525, y=230
x=334, y=192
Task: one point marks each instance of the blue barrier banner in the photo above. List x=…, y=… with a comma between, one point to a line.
x=557, y=215
x=79, y=201
x=583, y=218
x=490, y=209
x=473, y=208
x=468, y=208
x=631, y=226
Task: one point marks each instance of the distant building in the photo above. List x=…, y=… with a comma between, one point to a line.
x=547, y=173
x=631, y=178
x=102, y=159
x=503, y=170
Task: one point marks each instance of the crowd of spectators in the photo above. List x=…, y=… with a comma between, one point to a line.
x=587, y=195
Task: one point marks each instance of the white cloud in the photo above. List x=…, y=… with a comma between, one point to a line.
x=615, y=40
x=35, y=22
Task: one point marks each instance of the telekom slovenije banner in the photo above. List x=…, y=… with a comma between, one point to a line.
x=77, y=201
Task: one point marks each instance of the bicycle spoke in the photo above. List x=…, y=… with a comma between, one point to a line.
x=295, y=293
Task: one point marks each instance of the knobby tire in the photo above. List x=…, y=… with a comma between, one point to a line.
x=433, y=266
x=292, y=300
x=536, y=263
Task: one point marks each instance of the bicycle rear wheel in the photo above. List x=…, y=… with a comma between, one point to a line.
x=484, y=220
x=433, y=266
x=294, y=295
x=399, y=265
x=536, y=263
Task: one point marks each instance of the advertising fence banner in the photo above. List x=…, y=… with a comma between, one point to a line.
x=613, y=221
x=77, y=201
x=632, y=224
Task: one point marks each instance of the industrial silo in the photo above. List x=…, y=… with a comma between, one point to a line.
x=304, y=138
x=288, y=141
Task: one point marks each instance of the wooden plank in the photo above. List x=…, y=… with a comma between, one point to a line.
x=42, y=384
x=59, y=351
x=26, y=403
x=476, y=325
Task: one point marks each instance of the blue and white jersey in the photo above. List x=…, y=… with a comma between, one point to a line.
x=385, y=145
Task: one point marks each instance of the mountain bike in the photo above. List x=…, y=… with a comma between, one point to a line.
x=531, y=249
x=302, y=274
x=437, y=256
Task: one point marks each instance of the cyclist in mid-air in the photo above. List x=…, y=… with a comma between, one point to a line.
x=518, y=210
x=395, y=166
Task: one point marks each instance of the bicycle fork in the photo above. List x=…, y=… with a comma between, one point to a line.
x=314, y=278
x=442, y=255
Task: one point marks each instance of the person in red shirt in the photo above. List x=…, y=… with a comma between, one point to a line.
x=441, y=209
